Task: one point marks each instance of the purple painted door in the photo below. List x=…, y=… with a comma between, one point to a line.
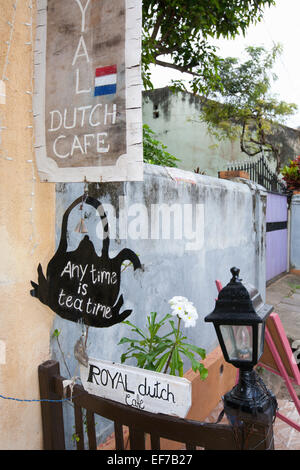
x=277, y=235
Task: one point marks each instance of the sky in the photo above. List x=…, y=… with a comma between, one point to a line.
x=280, y=24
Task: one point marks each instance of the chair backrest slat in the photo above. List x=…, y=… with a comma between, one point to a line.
x=137, y=438
x=119, y=436
x=79, y=436
x=90, y=421
x=155, y=441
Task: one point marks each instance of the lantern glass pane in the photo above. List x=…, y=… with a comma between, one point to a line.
x=260, y=339
x=238, y=340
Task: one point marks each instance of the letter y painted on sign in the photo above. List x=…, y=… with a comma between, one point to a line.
x=83, y=11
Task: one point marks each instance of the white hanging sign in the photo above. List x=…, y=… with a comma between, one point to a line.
x=87, y=99
x=139, y=388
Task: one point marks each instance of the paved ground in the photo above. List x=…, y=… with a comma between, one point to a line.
x=284, y=295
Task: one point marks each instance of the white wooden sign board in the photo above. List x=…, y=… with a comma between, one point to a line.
x=87, y=99
x=139, y=388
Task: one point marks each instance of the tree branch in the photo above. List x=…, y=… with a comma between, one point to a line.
x=242, y=143
x=157, y=26
x=180, y=68
x=261, y=144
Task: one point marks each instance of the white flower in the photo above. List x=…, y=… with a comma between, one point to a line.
x=184, y=309
x=191, y=311
x=177, y=299
x=189, y=320
x=178, y=309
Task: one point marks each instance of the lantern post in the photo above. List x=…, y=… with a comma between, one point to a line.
x=239, y=319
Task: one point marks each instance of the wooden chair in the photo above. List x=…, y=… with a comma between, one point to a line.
x=141, y=424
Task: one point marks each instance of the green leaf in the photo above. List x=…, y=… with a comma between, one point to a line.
x=200, y=351
x=154, y=151
x=55, y=333
x=203, y=373
x=126, y=340
x=173, y=363
x=162, y=361
x=179, y=363
x=123, y=358
x=196, y=365
x=135, y=328
x=75, y=437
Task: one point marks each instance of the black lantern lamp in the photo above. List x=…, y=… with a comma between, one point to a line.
x=239, y=319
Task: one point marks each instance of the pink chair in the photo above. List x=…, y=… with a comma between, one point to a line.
x=278, y=358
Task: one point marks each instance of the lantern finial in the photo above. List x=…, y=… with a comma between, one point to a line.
x=235, y=274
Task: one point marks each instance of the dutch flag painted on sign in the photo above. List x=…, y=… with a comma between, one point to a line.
x=106, y=80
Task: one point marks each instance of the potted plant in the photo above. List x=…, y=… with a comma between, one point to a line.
x=156, y=348
x=164, y=353
x=291, y=174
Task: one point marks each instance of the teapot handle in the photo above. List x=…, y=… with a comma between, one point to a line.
x=63, y=244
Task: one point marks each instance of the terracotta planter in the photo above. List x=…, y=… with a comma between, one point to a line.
x=206, y=394
x=228, y=175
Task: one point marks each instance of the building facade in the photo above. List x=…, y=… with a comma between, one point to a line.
x=175, y=117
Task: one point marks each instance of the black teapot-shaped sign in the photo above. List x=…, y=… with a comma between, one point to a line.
x=80, y=285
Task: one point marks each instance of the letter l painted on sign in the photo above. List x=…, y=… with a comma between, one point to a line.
x=77, y=85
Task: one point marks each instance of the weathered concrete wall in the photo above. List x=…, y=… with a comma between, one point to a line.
x=27, y=238
x=295, y=233
x=228, y=228
x=176, y=120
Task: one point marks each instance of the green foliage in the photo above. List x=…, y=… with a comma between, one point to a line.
x=154, y=151
x=293, y=288
x=242, y=105
x=162, y=353
x=291, y=173
x=55, y=333
x=75, y=438
x=181, y=29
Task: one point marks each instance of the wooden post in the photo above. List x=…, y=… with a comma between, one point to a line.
x=52, y=413
x=260, y=436
x=254, y=435
x=252, y=432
